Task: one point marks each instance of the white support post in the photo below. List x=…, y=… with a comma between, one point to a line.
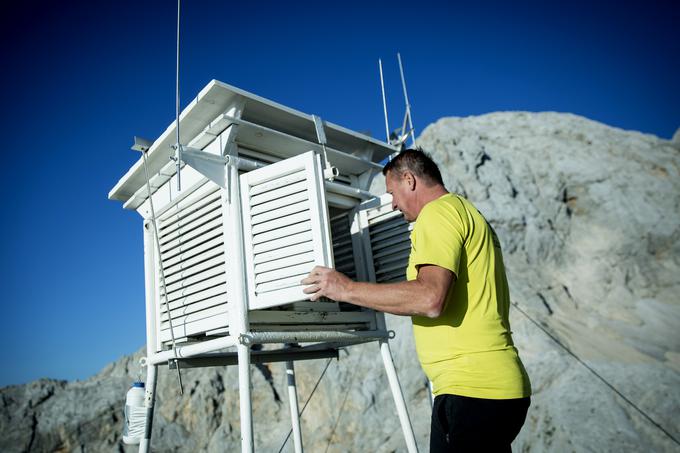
x=149, y=402
x=294, y=411
x=150, y=289
x=238, y=304
x=150, y=298
x=245, y=400
x=398, y=396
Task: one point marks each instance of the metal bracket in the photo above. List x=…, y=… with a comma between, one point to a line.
x=211, y=166
x=321, y=138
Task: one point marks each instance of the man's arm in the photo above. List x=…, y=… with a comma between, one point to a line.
x=424, y=296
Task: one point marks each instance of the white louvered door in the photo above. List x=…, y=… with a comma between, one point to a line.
x=286, y=229
x=192, y=256
x=387, y=240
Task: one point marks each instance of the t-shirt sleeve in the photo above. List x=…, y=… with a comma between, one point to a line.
x=437, y=239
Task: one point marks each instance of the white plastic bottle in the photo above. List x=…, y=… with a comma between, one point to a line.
x=135, y=414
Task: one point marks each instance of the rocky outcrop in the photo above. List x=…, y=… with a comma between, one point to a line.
x=589, y=218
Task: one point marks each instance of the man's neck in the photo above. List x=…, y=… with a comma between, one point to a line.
x=428, y=194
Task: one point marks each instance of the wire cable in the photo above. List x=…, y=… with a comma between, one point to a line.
x=307, y=402
x=611, y=386
x=344, y=400
x=161, y=270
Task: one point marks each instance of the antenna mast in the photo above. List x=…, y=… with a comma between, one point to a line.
x=408, y=105
x=382, y=87
x=178, y=151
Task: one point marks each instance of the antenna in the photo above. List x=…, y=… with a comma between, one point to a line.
x=178, y=151
x=382, y=87
x=408, y=106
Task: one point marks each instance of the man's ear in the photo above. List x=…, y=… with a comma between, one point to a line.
x=410, y=179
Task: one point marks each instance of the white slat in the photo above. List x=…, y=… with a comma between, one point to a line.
x=267, y=206
x=185, y=309
x=287, y=261
x=282, y=233
x=195, y=297
x=284, y=242
x=279, y=223
x=280, y=193
x=262, y=256
x=212, y=277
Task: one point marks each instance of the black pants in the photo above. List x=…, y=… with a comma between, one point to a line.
x=463, y=424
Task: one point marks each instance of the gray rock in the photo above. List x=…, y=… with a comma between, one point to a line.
x=590, y=224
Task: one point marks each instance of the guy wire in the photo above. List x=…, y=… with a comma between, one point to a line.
x=589, y=368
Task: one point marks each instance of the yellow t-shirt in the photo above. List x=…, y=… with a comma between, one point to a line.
x=468, y=349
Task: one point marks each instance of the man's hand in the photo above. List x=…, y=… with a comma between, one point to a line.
x=327, y=282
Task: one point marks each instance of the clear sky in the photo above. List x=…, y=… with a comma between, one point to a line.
x=79, y=80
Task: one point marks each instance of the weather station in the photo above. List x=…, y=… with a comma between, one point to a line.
x=240, y=198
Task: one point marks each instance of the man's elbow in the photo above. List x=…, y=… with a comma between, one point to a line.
x=434, y=306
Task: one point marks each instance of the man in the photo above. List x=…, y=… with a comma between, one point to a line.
x=457, y=295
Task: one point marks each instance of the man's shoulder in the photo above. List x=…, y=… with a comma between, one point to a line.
x=446, y=211
x=446, y=203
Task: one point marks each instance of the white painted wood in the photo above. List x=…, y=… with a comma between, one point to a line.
x=285, y=262
x=282, y=252
x=194, y=259
x=283, y=233
x=193, y=231
x=199, y=211
x=278, y=223
x=187, y=318
x=267, y=206
x=198, y=327
x=195, y=284
x=198, y=297
x=286, y=241
x=293, y=226
x=196, y=270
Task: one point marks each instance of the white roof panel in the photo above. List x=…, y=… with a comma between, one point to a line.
x=216, y=98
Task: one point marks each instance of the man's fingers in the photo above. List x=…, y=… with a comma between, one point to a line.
x=310, y=289
x=309, y=280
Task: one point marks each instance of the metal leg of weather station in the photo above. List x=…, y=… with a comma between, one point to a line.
x=398, y=396
x=245, y=401
x=294, y=412
x=149, y=401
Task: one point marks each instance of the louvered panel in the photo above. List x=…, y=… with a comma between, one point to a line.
x=180, y=319
x=198, y=296
x=212, y=238
x=286, y=231
x=191, y=281
x=390, y=241
x=194, y=328
x=192, y=270
x=187, y=203
x=193, y=260
x=180, y=310
x=193, y=234
x=173, y=229
x=286, y=261
x=190, y=260
x=343, y=253
x=277, y=253
x=271, y=205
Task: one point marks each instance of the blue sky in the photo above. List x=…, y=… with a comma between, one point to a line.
x=79, y=80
